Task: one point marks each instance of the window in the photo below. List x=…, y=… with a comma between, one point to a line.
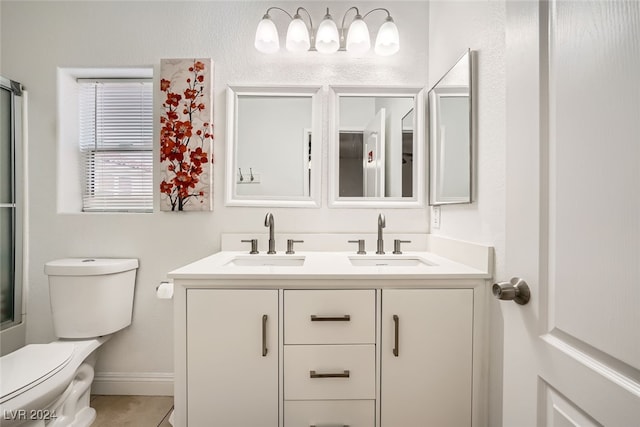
x=116, y=133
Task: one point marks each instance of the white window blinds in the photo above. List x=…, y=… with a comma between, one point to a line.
x=116, y=135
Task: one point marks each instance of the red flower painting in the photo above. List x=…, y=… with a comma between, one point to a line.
x=186, y=134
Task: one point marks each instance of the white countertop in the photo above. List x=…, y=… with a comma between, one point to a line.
x=326, y=265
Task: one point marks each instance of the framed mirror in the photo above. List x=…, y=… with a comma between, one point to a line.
x=451, y=135
x=273, y=146
x=376, y=156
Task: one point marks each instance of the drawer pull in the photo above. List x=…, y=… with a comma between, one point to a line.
x=265, y=350
x=329, y=425
x=345, y=318
x=343, y=374
x=396, y=348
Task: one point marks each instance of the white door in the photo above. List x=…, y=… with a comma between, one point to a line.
x=374, y=155
x=426, y=357
x=232, y=356
x=572, y=355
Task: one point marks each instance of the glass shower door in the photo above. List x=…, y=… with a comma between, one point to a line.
x=10, y=209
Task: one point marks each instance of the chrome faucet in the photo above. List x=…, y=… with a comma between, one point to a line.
x=268, y=222
x=381, y=224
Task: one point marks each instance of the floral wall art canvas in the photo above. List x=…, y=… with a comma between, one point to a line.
x=186, y=134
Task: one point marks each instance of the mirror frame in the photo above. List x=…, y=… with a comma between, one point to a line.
x=309, y=91
x=419, y=178
x=433, y=169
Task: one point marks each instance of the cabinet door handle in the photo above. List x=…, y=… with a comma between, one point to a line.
x=265, y=350
x=316, y=318
x=343, y=374
x=396, y=327
x=329, y=425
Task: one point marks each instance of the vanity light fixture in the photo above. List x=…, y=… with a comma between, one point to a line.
x=267, y=40
x=298, y=39
x=328, y=38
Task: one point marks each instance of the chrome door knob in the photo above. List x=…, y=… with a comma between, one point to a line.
x=516, y=290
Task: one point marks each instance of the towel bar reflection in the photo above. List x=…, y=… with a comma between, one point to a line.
x=247, y=178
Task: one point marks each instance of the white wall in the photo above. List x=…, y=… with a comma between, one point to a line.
x=396, y=109
x=38, y=37
x=455, y=26
x=454, y=146
x=356, y=112
x=271, y=143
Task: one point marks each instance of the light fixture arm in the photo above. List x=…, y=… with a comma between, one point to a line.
x=266, y=15
x=379, y=8
x=311, y=32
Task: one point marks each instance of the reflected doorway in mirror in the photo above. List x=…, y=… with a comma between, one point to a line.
x=375, y=144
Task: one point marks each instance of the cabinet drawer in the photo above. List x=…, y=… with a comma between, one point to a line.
x=321, y=413
x=316, y=372
x=339, y=317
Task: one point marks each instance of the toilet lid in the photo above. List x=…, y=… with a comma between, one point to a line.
x=30, y=365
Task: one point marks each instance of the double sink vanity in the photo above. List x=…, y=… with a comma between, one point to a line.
x=327, y=336
x=311, y=330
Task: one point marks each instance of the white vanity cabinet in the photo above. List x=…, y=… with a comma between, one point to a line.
x=329, y=357
x=232, y=357
x=377, y=357
x=329, y=342
x=426, y=352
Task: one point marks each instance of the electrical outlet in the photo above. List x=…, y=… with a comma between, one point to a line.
x=435, y=217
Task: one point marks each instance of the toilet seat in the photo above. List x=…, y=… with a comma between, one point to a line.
x=31, y=365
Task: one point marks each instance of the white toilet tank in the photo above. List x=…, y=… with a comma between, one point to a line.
x=91, y=297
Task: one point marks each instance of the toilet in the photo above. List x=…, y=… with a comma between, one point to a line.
x=50, y=384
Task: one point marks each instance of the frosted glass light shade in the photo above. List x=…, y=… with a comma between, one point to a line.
x=297, y=36
x=267, y=36
x=388, y=39
x=327, y=38
x=358, y=40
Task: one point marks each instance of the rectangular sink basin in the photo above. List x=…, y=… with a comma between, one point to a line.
x=266, y=260
x=388, y=261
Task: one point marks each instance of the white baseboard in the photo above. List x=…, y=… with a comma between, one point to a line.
x=133, y=383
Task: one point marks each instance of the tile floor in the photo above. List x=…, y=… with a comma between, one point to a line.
x=132, y=411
